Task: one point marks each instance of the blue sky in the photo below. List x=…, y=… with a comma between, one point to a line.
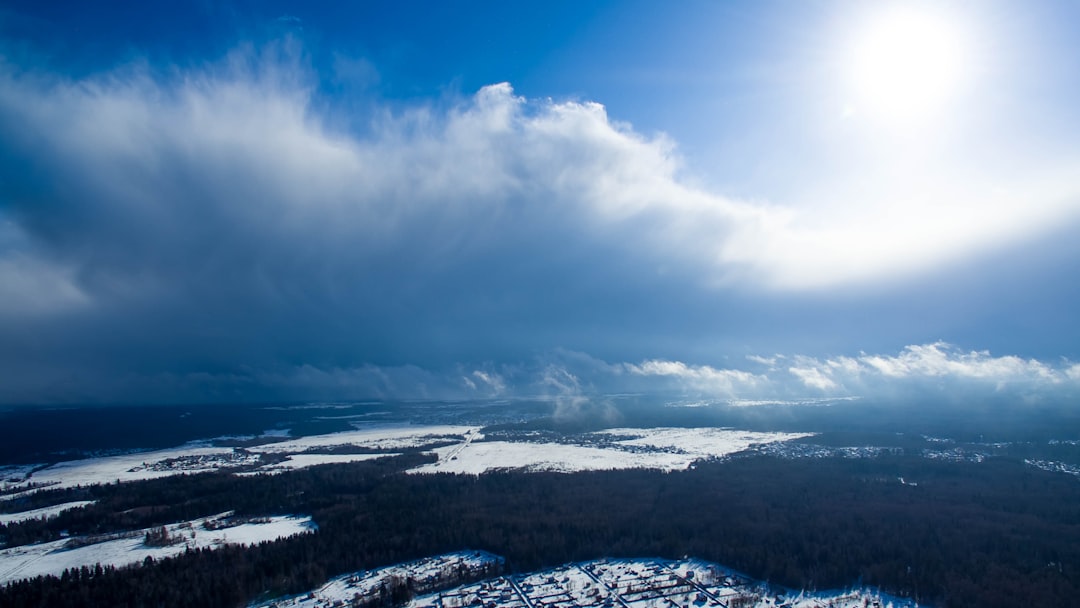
x=274, y=200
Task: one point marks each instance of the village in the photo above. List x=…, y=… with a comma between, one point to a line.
x=606, y=583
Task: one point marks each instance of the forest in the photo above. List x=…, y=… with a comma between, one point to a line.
x=986, y=534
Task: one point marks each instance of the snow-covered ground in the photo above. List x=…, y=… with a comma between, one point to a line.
x=302, y=461
x=467, y=452
x=1053, y=466
x=44, y=512
x=127, y=467
x=129, y=548
x=429, y=571
x=809, y=450
x=14, y=473
x=657, y=448
x=382, y=437
x=484, y=456
x=638, y=583
x=198, y=457
x=644, y=583
x=702, y=441
x=660, y=448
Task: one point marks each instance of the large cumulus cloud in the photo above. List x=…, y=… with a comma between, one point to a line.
x=202, y=220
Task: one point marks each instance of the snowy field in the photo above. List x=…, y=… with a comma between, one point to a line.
x=383, y=437
x=127, y=467
x=702, y=442
x=479, y=457
x=198, y=457
x=663, y=448
x=667, y=449
x=1053, y=466
x=302, y=461
x=640, y=583
x=11, y=473
x=466, y=453
x=43, y=513
x=128, y=548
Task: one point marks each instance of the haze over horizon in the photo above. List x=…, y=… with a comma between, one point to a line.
x=273, y=201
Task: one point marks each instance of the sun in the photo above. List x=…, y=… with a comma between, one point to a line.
x=905, y=65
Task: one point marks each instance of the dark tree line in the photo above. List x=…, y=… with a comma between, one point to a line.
x=987, y=535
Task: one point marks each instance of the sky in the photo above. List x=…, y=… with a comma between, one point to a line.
x=244, y=201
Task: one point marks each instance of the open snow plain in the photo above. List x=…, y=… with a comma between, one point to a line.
x=200, y=457
x=666, y=449
x=42, y=513
x=458, y=448
x=121, y=549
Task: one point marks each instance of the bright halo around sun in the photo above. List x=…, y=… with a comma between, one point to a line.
x=906, y=64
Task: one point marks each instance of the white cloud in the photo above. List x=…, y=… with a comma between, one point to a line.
x=846, y=365
x=493, y=381
x=923, y=364
x=769, y=361
x=938, y=365
x=721, y=381
x=942, y=359
x=813, y=377
x=571, y=401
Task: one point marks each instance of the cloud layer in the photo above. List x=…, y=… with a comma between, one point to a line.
x=225, y=227
x=938, y=366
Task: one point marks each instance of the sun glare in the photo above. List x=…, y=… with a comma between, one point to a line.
x=905, y=65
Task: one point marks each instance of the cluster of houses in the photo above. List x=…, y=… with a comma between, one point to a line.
x=638, y=583
x=603, y=584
